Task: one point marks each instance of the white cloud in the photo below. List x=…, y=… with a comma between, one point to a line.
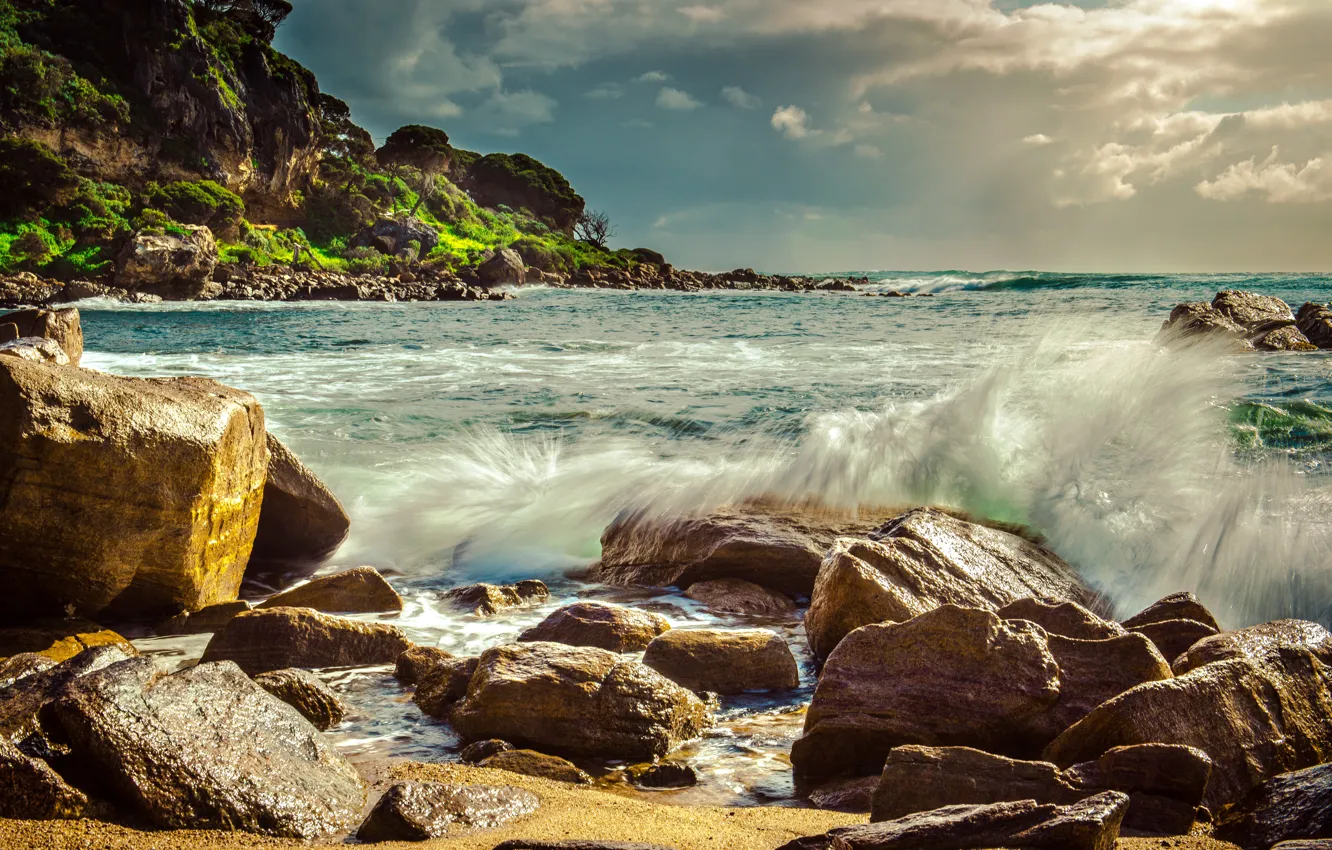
x=791, y=121
x=1038, y=140
x=740, y=98
x=702, y=14
x=674, y=99
x=605, y=91
x=652, y=77
x=1280, y=182
x=508, y=112
x=868, y=151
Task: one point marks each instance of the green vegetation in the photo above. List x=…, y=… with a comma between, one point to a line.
x=205, y=202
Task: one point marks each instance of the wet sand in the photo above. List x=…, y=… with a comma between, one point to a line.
x=566, y=812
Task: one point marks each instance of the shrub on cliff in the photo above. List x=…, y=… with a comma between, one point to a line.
x=39, y=88
x=423, y=148
x=32, y=178
x=521, y=182
x=204, y=202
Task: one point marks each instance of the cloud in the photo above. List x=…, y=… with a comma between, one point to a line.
x=865, y=151
x=652, y=77
x=1038, y=140
x=791, y=121
x=506, y=113
x=740, y=98
x=674, y=99
x=605, y=91
x=702, y=14
x=1279, y=182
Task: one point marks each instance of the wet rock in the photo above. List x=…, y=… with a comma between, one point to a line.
x=670, y=774
x=598, y=624
x=306, y=693
x=176, y=267
x=301, y=521
x=737, y=596
x=1174, y=637
x=506, y=267
x=419, y=811
x=35, y=350
x=1261, y=643
x=1291, y=806
x=141, y=493
x=1312, y=844
x=1090, y=824
x=278, y=638
x=532, y=763
x=33, y=791
x=778, y=548
x=1313, y=320
x=724, y=662
x=958, y=677
x=1284, y=339
x=576, y=701
x=206, y=621
x=1254, y=719
x=61, y=326
x=1200, y=319
x=60, y=639
x=577, y=844
x=440, y=687
x=1177, y=606
x=846, y=795
x=416, y=663
x=23, y=665
x=1062, y=618
x=265, y=769
x=479, y=751
x=359, y=591
x=1165, y=783
x=23, y=703
x=9, y=332
x=1252, y=311
x=485, y=600
x=924, y=559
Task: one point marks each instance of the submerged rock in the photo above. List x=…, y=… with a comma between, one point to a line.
x=301, y=520
x=737, y=596
x=1291, y=806
x=359, y=591
x=612, y=627
x=61, y=326
x=924, y=559
x=576, y=701
x=420, y=811
x=724, y=662
x=278, y=638
x=670, y=774
x=265, y=769
x=306, y=693
x=532, y=763
x=141, y=493
x=485, y=600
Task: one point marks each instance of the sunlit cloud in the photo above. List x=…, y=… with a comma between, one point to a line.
x=791, y=121
x=740, y=98
x=676, y=100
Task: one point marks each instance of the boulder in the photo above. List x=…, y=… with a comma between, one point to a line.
x=1200, y=319
x=737, y=596
x=601, y=625
x=125, y=495
x=420, y=811
x=22, y=666
x=415, y=664
x=1062, y=618
x=1252, y=311
x=506, y=267
x=1291, y=806
x=61, y=326
x=924, y=559
x=23, y=705
x=440, y=687
x=724, y=662
x=1313, y=320
x=1177, y=606
x=278, y=638
x=61, y=639
x=1174, y=637
x=485, y=600
x=392, y=236
x=479, y=751
x=9, y=332
x=958, y=677
x=205, y=621
x=1254, y=719
x=176, y=267
x=1288, y=338
x=667, y=774
x=206, y=748
x=846, y=795
x=1090, y=824
x=306, y=693
x=359, y=591
x=301, y=521
x=35, y=350
x=1165, y=783
x=33, y=791
x=1261, y=643
x=532, y=763
x=778, y=548
x=576, y=701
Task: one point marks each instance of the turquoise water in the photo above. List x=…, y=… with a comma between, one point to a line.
x=522, y=428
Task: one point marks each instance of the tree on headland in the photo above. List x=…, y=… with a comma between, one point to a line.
x=594, y=227
x=424, y=148
x=260, y=17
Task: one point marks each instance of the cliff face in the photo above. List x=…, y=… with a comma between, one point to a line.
x=205, y=99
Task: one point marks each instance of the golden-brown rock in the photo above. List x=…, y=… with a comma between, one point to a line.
x=532, y=763
x=415, y=664
x=278, y=638
x=1261, y=643
x=924, y=559
x=485, y=600
x=59, y=639
x=1176, y=606
x=62, y=326
x=1062, y=618
x=1174, y=637
x=724, y=662
x=140, y=496
x=359, y=591
x=599, y=624
x=442, y=685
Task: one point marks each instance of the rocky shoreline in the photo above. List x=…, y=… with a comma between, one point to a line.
x=973, y=691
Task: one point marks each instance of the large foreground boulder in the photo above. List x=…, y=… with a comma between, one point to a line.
x=724, y=662
x=61, y=326
x=925, y=559
x=358, y=591
x=959, y=677
x=598, y=624
x=177, y=267
x=207, y=748
x=1293, y=805
x=278, y=638
x=301, y=520
x=420, y=811
x=778, y=548
x=138, y=496
x=1255, y=719
x=576, y=701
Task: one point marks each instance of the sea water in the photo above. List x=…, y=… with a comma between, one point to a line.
x=495, y=441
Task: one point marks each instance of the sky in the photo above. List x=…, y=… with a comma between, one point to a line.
x=835, y=135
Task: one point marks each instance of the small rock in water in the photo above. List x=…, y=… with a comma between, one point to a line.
x=278, y=638
x=359, y=591
x=670, y=774
x=206, y=621
x=443, y=685
x=481, y=750
x=416, y=663
x=598, y=624
x=724, y=662
x=304, y=691
x=485, y=600
x=532, y=763
x=420, y=811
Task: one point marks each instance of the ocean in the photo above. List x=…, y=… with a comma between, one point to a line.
x=522, y=428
